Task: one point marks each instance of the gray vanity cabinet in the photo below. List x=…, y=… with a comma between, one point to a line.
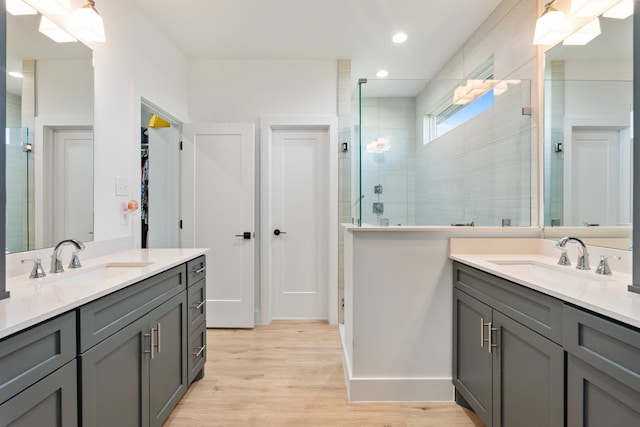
x=472, y=362
x=133, y=363
x=38, y=384
x=49, y=402
x=507, y=372
x=137, y=375
x=603, y=370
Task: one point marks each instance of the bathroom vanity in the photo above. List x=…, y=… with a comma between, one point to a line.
x=116, y=342
x=535, y=343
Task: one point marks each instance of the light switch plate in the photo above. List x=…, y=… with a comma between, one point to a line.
x=122, y=186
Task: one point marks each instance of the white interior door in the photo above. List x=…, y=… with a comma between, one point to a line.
x=164, y=186
x=593, y=187
x=299, y=219
x=71, y=200
x=219, y=200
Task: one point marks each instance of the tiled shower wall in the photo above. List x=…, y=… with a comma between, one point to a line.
x=388, y=178
x=481, y=170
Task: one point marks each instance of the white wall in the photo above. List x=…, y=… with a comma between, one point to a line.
x=64, y=88
x=136, y=61
x=244, y=90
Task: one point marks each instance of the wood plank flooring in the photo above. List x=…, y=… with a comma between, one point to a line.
x=290, y=374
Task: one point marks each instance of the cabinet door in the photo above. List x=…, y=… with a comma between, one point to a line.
x=115, y=379
x=472, y=373
x=528, y=387
x=53, y=401
x=597, y=399
x=168, y=366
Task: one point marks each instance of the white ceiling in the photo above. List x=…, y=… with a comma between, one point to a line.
x=359, y=30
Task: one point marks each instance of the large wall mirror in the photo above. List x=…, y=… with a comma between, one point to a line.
x=49, y=138
x=588, y=168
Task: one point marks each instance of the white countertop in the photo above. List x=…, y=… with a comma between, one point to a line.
x=606, y=295
x=35, y=300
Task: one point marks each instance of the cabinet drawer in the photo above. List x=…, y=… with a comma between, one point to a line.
x=196, y=304
x=533, y=309
x=196, y=270
x=102, y=318
x=33, y=354
x=50, y=402
x=197, y=352
x=609, y=346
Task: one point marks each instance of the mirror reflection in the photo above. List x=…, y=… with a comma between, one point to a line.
x=49, y=138
x=587, y=131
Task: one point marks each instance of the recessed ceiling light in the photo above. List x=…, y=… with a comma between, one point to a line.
x=382, y=73
x=399, y=38
x=15, y=74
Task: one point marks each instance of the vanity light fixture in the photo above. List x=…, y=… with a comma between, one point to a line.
x=622, y=10
x=51, y=7
x=54, y=31
x=382, y=74
x=584, y=35
x=15, y=74
x=18, y=7
x=399, y=38
x=589, y=8
x=87, y=23
x=550, y=27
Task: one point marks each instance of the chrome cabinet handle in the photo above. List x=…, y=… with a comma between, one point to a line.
x=198, y=351
x=152, y=343
x=197, y=306
x=200, y=270
x=482, y=338
x=491, y=330
x=159, y=335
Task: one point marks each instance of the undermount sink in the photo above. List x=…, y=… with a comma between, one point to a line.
x=94, y=274
x=549, y=272
x=126, y=264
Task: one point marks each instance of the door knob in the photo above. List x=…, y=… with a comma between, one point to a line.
x=278, y=232
x=246, y=235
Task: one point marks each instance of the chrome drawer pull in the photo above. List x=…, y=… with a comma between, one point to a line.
x=200, y=270
x=198, y=306
x=198, y=352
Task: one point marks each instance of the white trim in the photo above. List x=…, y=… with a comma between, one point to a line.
x=267, y=126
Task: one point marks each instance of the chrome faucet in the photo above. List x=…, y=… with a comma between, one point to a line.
x=56, y=260
x=583, y=255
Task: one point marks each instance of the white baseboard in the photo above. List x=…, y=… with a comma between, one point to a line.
x=394, y=389
x=400, y=390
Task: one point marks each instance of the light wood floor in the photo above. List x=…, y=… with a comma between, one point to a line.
x=290, y=374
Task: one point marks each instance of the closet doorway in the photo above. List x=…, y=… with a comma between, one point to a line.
x=159, y=178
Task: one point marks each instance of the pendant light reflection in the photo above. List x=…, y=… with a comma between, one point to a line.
x=55, y=32
x=622, y=10
x=584, y=35
x=51, y=7
x=18, y=7
x=589, y=8
x=379, y=145
x=87, y=23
